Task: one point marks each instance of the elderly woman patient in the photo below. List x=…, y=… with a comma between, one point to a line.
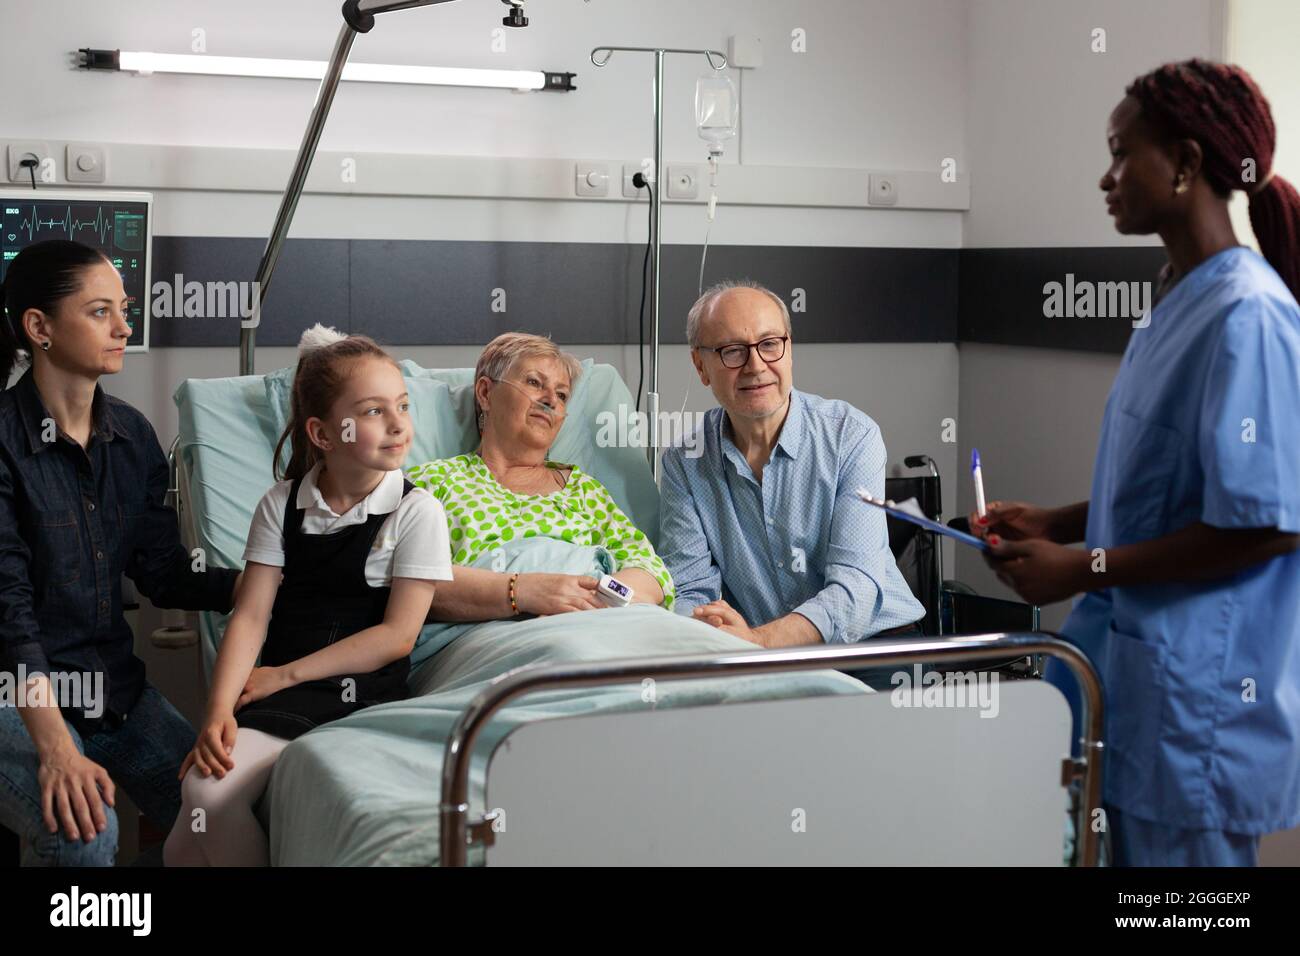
x=508, y=490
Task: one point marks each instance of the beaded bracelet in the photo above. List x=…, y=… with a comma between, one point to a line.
x=514, y=605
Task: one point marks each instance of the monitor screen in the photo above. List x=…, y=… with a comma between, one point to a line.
x=117, y=223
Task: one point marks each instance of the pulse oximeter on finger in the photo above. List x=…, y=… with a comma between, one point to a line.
x=613, y=591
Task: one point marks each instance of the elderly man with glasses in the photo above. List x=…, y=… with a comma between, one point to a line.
x=762, y=532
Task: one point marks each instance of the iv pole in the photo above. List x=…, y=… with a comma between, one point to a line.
x=656, y=200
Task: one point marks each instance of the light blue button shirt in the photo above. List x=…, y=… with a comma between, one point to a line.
x=1203, y=679
x=802, y=540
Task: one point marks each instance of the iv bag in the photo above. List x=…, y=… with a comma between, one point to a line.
x=717, y=110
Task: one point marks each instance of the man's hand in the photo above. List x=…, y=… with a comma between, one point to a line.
x=726, y=618
x=1039, y=571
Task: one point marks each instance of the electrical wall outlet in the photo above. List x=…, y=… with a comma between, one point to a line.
x=629, y=190
x=882, y=190
x=683, y=182
x=45, y=168
x=592, y=179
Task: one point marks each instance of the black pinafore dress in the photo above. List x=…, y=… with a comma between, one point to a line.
x=323, y=598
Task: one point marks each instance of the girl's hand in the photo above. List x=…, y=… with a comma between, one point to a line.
x=263, y=682
x=70, y=793
x=1013, y=521
x=211, y=754
x=556, y=593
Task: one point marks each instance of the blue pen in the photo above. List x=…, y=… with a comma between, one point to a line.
x=979, y=481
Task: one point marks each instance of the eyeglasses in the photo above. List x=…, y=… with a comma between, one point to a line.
x=736, y=355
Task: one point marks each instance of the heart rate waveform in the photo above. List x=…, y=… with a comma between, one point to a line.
x=126, y=228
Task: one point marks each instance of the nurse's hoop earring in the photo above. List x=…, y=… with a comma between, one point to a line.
x=45, y=346
x=1180, y=186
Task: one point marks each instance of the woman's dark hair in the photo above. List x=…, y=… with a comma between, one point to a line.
x=1219, y=106
x=39, y=277
x=317, y=382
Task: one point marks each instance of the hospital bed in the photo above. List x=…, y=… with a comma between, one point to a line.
x=632, y=735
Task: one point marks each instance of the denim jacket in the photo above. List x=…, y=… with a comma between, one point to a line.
x=73, y=520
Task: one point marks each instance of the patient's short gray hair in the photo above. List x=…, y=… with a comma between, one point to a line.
x=500, y=355
x=704, y=305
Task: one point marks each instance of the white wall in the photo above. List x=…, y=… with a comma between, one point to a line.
x=861, y=96
x=1261, y=37
x=1038, y=104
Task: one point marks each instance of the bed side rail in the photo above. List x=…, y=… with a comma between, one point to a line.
x=455, y=826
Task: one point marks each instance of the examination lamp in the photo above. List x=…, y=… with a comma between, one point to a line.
x=358, y=17
x=144, y=63
x=201, y=64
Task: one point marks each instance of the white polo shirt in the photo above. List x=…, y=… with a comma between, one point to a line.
x=412, y=542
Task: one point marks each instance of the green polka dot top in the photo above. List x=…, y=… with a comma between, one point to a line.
x=481, y=514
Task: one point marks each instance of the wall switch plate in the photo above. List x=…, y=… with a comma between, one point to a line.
x=882, y=190
x=683, y=182
x=45, y=171
x=85, y=163
x=592, y=179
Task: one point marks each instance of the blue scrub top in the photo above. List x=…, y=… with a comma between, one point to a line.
x=1203, y=679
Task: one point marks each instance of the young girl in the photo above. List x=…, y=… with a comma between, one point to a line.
x=360, y=549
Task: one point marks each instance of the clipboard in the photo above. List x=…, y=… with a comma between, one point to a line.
x=920, y=520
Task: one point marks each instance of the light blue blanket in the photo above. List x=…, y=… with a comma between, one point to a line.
x=364, y=790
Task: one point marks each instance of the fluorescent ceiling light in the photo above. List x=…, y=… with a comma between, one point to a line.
x=144, y=64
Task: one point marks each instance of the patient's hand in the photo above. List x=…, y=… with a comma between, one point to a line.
x=726, y=618
x=556, y=593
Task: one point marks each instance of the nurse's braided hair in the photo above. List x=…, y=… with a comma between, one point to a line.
x=1219, y=106
x=325, y=357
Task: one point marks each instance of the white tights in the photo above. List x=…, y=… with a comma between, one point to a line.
x=228, y=832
